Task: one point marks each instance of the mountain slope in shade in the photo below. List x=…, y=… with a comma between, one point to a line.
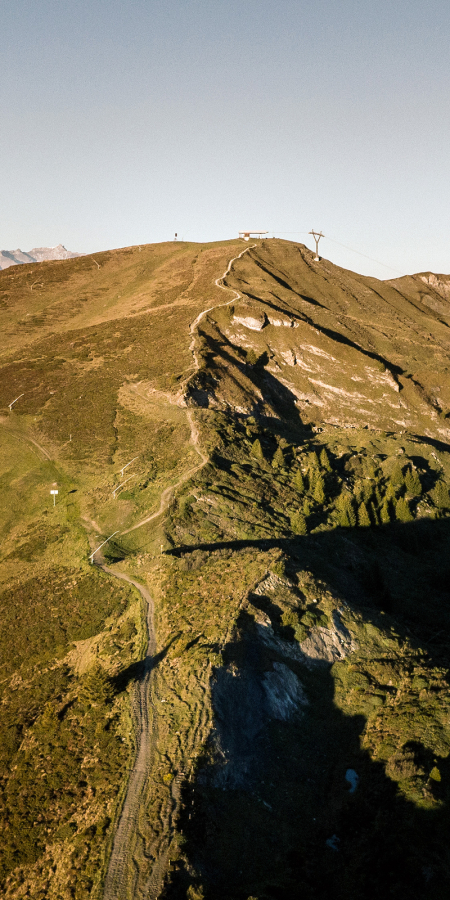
x=38, y=254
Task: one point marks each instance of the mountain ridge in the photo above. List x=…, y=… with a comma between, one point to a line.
x=38, y=254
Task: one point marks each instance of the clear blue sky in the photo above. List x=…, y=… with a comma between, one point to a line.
x=123, y=121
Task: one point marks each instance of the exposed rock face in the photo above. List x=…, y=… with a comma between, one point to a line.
x=280, y=321
x=439, y=283
x=328, y=644
x=251, y=318
x=284, y=692
x=38, y=254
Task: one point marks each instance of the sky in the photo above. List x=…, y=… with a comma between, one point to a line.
x=122, y=123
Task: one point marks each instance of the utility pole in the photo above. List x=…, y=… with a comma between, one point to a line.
x=316, y=235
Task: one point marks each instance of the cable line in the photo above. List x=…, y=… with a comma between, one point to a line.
x=346, y=247
x=377, y=261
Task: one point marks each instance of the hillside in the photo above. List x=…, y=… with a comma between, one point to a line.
x=247, y=695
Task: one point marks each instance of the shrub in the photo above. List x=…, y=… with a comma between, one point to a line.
x=298, y=523
x=440, y=495
x=385, y=515
x=290, y=619
x=324, y=460
x=412, y=483
x=313, y=618
x=257, y=450
x=313, y=460
x=299, y=482
x=96, y=686
x=402, y=511
x=363, y=516
x=319, y=489
x=306, y=507
x=279, y=567
x=278, y=459
x=184, y=507
x=397, y=479
x=345, y=510
x=312, y=478
x=390, y=492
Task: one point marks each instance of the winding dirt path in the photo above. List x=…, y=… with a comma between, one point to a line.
x=120, y=873
x=219, y=283
x=124, y=877
x=169, y=491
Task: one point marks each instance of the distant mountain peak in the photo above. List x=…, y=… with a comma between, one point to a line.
x=37, y=254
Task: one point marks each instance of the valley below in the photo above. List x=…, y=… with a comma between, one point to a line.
x=244, y=693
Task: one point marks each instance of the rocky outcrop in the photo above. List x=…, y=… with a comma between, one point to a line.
x=251, y=318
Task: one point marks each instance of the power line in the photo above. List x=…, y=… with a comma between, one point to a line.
x=346, y=247
x=377, y=261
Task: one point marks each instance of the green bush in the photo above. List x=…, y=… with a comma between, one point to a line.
x=257, y=450
x=279, y=567
x=397, y=479
x=363, y=516
x=313, y=460
x=441, y=496
x=278, y=459
x=345, y=510
x=290, y=619
x=299, y=482
x=390, y=492
x=96, y=686
x=402, y=511
x=412, y=483
x=313, y=618
x=385, y=514
x=319, y=489
x=298, y=523
x=324, y=460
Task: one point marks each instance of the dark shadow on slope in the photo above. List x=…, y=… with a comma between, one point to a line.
x=274, y=393
x=269, y=813
x=336, y=336
x=409, y=557
x=277, y=278
x=138, y=670
x=432, y=442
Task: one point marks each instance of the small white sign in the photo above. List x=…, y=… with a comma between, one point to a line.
x=53, y=492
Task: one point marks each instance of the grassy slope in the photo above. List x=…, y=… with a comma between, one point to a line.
x=115, y=364
x=87, y=361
